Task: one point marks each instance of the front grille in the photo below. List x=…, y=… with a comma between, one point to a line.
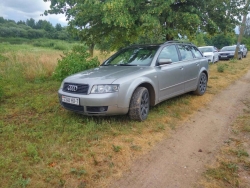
x=73, y=107
x=78, y=88
x=224, y=54
x=96, y=108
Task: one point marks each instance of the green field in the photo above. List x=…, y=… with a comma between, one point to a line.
x=43, y=145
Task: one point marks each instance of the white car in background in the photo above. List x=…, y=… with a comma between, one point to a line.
x=210, y=52
x=243, y=49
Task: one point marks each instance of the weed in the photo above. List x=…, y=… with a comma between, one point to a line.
x=77, y=172
x=220, y=68
x=136, y=147
x=233, y=60
x=159, y=127
x=246, y=128
x=22, y=182
x=32, y=152
x=242, y=152
x=116, y=148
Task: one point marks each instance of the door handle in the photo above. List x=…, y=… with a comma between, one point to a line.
x=181, y=68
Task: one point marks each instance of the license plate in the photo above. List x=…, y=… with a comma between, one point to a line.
x=71, y=100
x=223, y=56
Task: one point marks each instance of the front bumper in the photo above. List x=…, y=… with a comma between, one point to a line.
x=94, y=104
x=226, y=56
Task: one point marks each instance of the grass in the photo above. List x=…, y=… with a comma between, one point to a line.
x=233, y=163
x=43, y=145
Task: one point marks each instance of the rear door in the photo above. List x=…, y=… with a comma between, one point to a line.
x=191, y=65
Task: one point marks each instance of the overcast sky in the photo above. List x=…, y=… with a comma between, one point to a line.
x=26, y=9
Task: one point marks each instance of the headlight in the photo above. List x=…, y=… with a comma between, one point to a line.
x=111, y=88
x=232, y=53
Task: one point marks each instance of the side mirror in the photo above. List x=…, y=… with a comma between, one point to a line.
x=164, y=61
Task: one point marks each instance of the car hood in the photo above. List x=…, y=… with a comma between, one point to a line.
x=208, y=53
x=226, y=52
x=104, y=74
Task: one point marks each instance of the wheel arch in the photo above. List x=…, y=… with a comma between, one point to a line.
x=151, y=91
x=129, y=88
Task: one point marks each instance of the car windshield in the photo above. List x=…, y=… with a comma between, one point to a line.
x=206, y=49
x=132, y=56
x=228, y=48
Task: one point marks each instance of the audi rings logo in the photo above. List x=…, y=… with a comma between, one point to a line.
x=72, y=88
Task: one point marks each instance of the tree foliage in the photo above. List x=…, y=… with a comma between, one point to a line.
x=31, y=29
x=120, y=22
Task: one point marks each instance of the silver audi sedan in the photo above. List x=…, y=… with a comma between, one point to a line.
x=135, y=78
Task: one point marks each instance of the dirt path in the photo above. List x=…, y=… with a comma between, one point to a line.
x=179, y=161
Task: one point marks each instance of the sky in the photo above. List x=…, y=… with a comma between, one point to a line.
x=25, y=9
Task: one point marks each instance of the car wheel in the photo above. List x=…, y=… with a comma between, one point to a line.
x=139, y=104
x=240, y=57
x=213, y=60
x=202, y=84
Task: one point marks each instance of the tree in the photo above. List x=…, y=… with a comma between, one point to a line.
x=21, y=22
x=31, y=22
x=58, y=27
x=247, y=28
x=242, y=28
x=125, y=21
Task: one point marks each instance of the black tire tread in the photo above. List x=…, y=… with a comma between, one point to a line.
x=134, y=107
x=198, y=91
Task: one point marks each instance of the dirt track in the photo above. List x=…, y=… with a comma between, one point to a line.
x=179, y=161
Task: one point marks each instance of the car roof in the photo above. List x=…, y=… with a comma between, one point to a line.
x=168, y=42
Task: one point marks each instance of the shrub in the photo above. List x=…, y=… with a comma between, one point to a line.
x=220, y=68
x=74, y=61
x=233, y=60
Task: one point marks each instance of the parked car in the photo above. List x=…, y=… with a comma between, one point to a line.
x=227, y=52
x=243, y=49
x=135, y=78
x=210, y=52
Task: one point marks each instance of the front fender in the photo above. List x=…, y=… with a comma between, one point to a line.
x=127, y=89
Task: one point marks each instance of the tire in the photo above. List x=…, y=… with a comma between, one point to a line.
x=213, y=60
x=139, y=104
x=202, y=84
x=240, y=58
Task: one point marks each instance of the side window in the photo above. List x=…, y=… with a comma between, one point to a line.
x=186, y=52
x=169, y=52
x=196, y=52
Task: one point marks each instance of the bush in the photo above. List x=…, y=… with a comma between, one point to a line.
x=220, y=68
x=75, y=61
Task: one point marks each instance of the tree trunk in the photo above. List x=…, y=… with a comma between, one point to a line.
x=91, y=49
x=242, y=28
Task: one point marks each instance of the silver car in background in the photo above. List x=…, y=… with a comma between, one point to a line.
x=243, y=49
x=227, y=52
x=135, y=78
x=210, y=52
